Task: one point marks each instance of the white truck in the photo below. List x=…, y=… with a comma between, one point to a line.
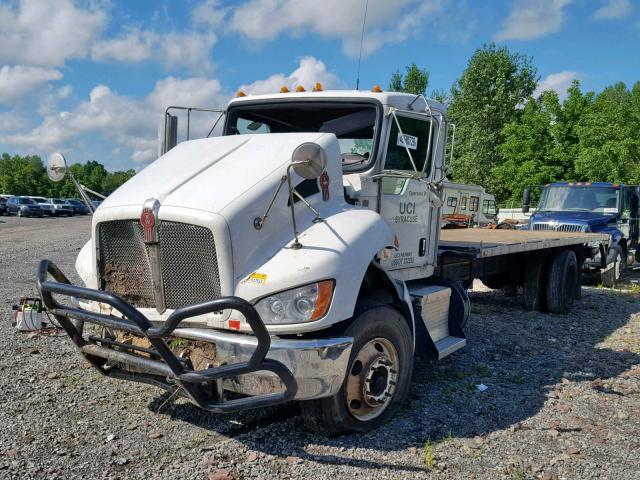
x=296, y=257
x=465, y=205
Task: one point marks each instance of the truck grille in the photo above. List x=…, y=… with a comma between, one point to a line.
x=563, y=227
x=188, y=263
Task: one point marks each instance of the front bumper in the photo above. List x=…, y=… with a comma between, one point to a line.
x=270, y=371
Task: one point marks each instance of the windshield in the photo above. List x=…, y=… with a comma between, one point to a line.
x=59, y=202
x=26, y=201
x=579, y=199
x=354, y=124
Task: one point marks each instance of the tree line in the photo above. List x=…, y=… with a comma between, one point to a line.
x=506, y=139
x=27, y=175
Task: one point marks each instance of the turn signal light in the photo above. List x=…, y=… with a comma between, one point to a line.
x=300, y=88
x=240, y=93
x=325, y=293
x=284, y=89
x=318, y=87
x=376, y=89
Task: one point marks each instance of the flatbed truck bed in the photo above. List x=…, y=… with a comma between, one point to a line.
x=490, y=243
x=519, y=259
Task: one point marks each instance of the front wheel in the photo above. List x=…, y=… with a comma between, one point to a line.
x=377, y=380
x=612, y=276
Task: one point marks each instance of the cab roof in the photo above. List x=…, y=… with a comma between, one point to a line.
x=397, y=100
x=584, y=184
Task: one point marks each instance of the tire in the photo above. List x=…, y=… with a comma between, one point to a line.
x=561, y=279
x=533, y=296
x=611, y=277
x=378, y=332
x=20, y=214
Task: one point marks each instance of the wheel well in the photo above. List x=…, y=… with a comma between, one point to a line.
x=378, y=288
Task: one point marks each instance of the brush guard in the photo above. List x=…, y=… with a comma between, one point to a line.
x=162, y=368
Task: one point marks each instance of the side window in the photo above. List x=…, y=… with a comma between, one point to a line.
x=630, y=204
x=452, y=202
x=488, y=207
x=416, y=139
x=463, y=203
x=473, y=204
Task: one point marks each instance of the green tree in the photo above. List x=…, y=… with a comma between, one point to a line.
x=608, y=145
x=529, y=150
x=483, y=100
x=414, y=80
x=28, y=176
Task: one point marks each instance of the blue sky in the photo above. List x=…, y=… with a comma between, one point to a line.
x=90, y=78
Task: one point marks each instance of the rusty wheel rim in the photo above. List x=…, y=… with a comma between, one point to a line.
x=372, y=379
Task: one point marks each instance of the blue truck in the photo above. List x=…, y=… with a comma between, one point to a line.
x=598, y=207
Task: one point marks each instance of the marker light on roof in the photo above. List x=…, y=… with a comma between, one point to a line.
x=318, y=87
x=240, y=93
x=284, y=89
x=376, y=89
x=300, y=88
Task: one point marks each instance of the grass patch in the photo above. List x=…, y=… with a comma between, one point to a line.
x=515, y=378
x=427, y=454
x=483, y=370
x=176, y=343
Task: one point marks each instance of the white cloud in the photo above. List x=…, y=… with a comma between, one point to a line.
x=129, y=126
x=128, y=122
x=310, y=70
x=16, y=81
x=209, y=14
x=558, y=82
x=613, y=9
x=530, y=19
x=46, y=33
x=11, y=122
x=173, y=49
x=387, y=22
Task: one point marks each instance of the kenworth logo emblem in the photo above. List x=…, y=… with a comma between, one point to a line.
x=149, y=220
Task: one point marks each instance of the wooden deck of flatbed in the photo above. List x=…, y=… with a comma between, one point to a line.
x=491, y=243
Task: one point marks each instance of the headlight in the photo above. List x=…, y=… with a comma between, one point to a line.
x=302, y=304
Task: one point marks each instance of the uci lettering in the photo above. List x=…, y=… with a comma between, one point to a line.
x=407, y=208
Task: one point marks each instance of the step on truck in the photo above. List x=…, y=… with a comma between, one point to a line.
x=612, y=209
x=298, y=256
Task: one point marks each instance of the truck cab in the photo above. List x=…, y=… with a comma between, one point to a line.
x=291, y=258
x=599, y=207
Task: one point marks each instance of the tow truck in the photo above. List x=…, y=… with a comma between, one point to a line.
x=298, y=256
x=608, y=208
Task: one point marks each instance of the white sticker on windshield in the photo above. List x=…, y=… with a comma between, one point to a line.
x=409, y=141
x=610, y=210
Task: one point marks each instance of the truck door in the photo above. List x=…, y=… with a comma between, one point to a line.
x=630, y=216
x=405, y=199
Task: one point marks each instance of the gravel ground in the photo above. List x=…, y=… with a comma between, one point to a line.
x=563, y=399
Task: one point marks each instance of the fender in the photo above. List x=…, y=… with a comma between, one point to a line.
x=340, y=247
x=616, y=237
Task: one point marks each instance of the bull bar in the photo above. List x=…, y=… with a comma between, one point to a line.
x=160, y=366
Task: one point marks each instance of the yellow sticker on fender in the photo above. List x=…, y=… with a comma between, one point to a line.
x=256, y=278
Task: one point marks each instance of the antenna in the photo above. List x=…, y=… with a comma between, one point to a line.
x=364, y=21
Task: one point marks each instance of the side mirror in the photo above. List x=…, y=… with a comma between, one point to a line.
x=309, y=160
x=169, y=134
x=526, y=200
x=56, y=167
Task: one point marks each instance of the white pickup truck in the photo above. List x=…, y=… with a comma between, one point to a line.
x=295, y=257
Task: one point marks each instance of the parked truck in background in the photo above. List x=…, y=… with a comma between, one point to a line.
x=466, y=205
x=298, y=256
x=608, y=208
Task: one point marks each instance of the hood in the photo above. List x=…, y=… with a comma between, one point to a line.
x=223, y=167
x=593, y=219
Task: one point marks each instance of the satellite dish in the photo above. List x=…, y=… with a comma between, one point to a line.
x=309, y=160
x=56, y=167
